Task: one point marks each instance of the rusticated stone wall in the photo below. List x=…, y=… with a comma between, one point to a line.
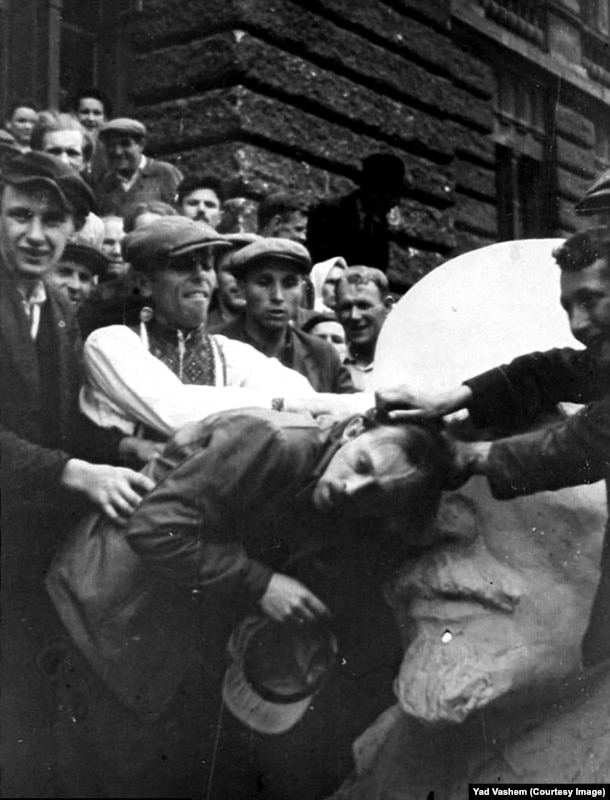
x=294, y=93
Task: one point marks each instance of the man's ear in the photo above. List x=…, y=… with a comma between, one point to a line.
x=389, y=303
x=353, y=428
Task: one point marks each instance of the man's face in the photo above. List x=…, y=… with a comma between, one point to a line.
x=181, y=292
x=273, y=294
x=90, y=113
x=228, y=288
x=21, y=124
x=124, y=153
x=67, y=146
x=111, y=245
x=34, y=228
x=366, y=476
x=333, y=333
x=202, y=205
x=362, y=311
x=292, y=226
x=73, y=280
x=495, y=604
x=585, y=295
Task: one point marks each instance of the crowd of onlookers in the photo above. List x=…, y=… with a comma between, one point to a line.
x=136, y=300
x=132, y=190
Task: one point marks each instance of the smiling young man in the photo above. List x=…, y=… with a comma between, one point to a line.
x=45, y=482
x=133, y=177
x=20, y=123
x=362, y=305
x=270, y=272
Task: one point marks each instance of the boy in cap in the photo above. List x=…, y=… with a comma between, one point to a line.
x=77, y=271
x=133, y=177
x=44, y=487
x=270, y=272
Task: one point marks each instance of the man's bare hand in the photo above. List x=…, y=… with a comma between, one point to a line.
x=401, y=402
x=117, y=491
x=287, y=600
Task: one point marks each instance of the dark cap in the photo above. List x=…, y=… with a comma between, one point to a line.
x=271, y=249
x=597, y=197
x=383, y=171
x=90, y=257
x=153, y=246
x=123, y=126
x=36, y=167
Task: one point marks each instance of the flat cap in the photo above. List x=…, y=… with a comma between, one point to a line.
x=76, y=252
x=154, y=246
x=597, y=197
x=123, y=125
x=35, y=167
x=271, y=249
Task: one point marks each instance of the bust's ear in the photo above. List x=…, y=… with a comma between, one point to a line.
x=144, y=284
x=353, y=428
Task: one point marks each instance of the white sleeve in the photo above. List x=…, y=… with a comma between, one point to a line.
x=125, y=382
x=249, y=368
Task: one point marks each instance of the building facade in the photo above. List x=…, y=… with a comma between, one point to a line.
x=500, y=109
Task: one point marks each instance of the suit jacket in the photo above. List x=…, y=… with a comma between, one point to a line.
x=317, y=360
x=337, y=227
x=157, y=181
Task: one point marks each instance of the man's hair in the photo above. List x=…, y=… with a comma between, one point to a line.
x=199, y=180
x=21, y=102
x=361, y=276
x=51, y=121
x=151, y=207
x=280, y=204
x=95, y=94
x=583, y=248
x=428, y=455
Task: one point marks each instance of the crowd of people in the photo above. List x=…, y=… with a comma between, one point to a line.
x=200, y=506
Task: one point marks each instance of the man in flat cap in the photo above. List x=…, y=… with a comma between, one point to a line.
x=154, y=377
x=133, y=177
x=45, y=485
x=355, y=226
x=270, y=272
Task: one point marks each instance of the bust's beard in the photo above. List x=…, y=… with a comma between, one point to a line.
x=447, y=681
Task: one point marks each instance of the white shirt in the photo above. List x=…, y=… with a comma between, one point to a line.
x=126, y=385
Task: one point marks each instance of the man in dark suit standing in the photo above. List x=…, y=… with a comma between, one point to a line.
x=356, y=226
x=44, y=486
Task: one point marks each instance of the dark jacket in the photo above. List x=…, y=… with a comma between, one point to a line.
x=567, y=453
x=317, y=360
x=338, y=227
x=232, y=505
x=157, y=181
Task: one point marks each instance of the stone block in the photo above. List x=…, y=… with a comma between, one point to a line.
x=576, y=159
x=255, y=172
x=238, y=113
x=572, y=125
x=465, y=242
x=424, y=224
x=171, y=20
x=571, y=187
x=408, y=265
x=474, y=180
x=416, y=41
x=475, y=216
x=187, y=68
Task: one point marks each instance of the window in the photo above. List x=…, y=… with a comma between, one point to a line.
x=520, y=134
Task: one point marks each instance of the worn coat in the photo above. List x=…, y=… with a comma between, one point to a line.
x=157, y=181
x=315, y=359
